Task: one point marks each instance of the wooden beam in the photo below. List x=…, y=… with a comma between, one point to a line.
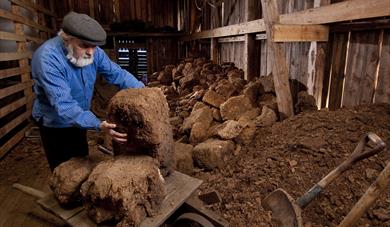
x=4, y=92
x=342, y=11
x=9, y=56
x=10, y=16
x=33, y=7
x=278, y=59
x=11, y=36
x=5, y=73
x=232, y=30
x=299, y=33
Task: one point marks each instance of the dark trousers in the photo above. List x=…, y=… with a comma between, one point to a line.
x=62, y=144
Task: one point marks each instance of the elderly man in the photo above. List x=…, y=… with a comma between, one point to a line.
x=64, y=70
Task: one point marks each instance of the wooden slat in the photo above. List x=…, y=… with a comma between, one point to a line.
x=33, y=7
x=232, y=30
x=299, y=33
x=278, y=58
x=338, y=65
x=12, y=106
x=14, y=88
x=9, y=56
x=15, y=122
x=5, y=73
x=382, y=93
x=11, y=36
x=7, y=15
x=12, y=142
x=362, y=64
x=342, y=11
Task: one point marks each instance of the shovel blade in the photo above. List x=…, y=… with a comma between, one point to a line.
x=285, y=212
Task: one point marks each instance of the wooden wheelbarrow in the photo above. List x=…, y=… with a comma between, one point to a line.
x=180, y=190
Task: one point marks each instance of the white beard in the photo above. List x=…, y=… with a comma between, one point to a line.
x=81, y=61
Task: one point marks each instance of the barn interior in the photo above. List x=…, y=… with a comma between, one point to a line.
x=262, y=95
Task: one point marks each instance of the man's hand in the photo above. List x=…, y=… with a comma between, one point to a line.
x=116, y=136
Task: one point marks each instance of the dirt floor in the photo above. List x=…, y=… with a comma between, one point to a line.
x=293, y=155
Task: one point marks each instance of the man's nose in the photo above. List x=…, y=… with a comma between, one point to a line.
x=90, y=51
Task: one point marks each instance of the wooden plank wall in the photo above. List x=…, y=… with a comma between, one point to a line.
x=359, y=68
x=234, y=13
x=15, y=91
x=350, y=69
x=157, y=13
x=162, y=52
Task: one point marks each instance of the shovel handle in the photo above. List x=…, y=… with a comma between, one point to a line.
x=368, y=198
x=28, y=190
x=358, y=154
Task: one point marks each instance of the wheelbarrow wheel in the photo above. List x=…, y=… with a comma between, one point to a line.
x=193, y=220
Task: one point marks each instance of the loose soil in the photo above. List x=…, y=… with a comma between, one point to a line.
x=293, y=155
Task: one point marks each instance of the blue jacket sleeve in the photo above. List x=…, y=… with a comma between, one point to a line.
x=58, y=93
x=114, y=74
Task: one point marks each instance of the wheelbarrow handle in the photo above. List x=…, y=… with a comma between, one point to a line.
x=28, y=190
x=358, y=154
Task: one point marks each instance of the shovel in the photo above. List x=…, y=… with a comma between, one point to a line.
x=287, y=212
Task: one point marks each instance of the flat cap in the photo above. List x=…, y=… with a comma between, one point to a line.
x=85, y=28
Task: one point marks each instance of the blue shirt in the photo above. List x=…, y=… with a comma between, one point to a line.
x=63, y=92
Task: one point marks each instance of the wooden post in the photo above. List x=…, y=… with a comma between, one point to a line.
x=251, y=52
x=278, y=58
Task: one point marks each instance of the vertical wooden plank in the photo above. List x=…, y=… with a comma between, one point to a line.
x=316, y=64
x=116, y=11
x=279, y=65
x=382, y=93
x=214, y=50
x=144, y=13
x=338, y=65
x=263, y=58
x=250, y=51
x=52, y=19
x=138, y=9
x=361, y=70
x=91, y=8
